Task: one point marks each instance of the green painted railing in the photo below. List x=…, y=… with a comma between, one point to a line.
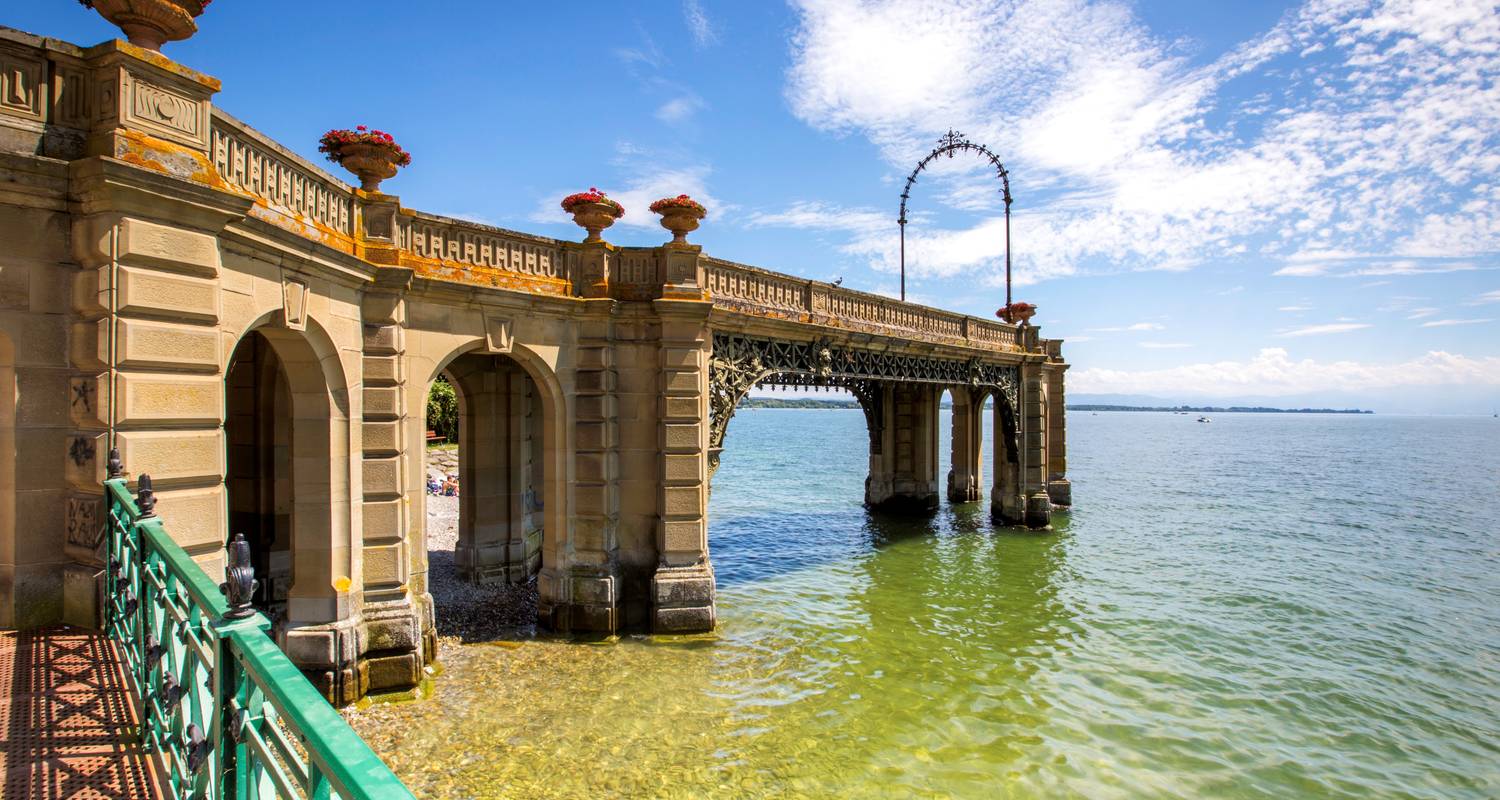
x=226, y=713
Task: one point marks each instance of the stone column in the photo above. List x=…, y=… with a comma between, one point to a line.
x=579, y=590
x=903, y=477
x=1059, y=489
x=1034, y=407
x=966, y=475
x=682, y=590
x=397, y=617
x=1007, y=505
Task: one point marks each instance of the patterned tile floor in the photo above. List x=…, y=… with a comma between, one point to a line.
x=65, y=720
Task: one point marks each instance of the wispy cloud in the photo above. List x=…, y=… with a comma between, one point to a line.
x=1445, y=323
x=1139, y=326
x=1332, y=327
x=699, y=25
x=1294, y=309
x=1375, y=134
x=1420, y=313
x=679, y=109
x=1486, y=298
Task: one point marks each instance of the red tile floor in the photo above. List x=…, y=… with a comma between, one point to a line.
x=65, y=719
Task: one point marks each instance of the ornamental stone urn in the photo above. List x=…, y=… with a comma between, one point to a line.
x=1017, y=313
x=594, y=218
x=680, y=220
x=151, y=23
x=372, y=163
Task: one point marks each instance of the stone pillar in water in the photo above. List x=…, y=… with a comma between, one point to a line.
x=965, y=477
x=903, y=475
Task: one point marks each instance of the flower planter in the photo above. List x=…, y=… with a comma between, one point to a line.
x=371, y=163
x=151, y=23
x=372, y=156
x=680, y=215
x=594, y=218
x=1017, y=313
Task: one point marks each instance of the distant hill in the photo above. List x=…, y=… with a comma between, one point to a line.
x=1216, y=409
x=795, y=402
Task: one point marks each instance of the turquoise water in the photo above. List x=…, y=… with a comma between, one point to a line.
x=1268, y=606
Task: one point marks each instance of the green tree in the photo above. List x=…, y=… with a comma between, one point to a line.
x=442, y=409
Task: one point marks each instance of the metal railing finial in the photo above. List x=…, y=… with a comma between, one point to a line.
x=240, y=583
x=115, y=468
x=146, y=498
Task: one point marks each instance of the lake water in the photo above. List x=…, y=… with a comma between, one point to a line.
x=1267, y=606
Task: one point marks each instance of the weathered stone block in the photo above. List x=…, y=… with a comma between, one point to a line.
x=148, y=292
x=683, y=536
x=169, y=399
x=684, y=501
x=380, y=370
x=382, y=476
x=681, y=357
x=683, y=620
x=381, y=438
x=384, y=520
x=382, y=402
x=683, y=408
x=388, y=673
x=682, y=436
x=159, y=345
x=174, y=456
x=150, y=244
x=385, y=565
x=685, y=467
x=384, y=339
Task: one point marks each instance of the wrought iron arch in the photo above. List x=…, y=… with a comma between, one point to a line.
x=951, y=143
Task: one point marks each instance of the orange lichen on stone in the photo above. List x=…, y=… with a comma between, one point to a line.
x=303, y=226
x=161, y=62
x=458, y=272
x=168, y=158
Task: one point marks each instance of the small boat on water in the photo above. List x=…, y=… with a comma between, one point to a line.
x=1204, y=419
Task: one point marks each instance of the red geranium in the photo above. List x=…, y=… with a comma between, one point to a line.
x=334, y=142
x=591, y=196
x=680, y=201
x=1016, y=311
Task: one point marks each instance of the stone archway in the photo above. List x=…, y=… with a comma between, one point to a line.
x=288, y=477
x=513, y=517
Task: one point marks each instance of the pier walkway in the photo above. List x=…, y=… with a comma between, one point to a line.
x=67, y=721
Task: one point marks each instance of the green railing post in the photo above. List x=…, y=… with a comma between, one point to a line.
x=224, y=711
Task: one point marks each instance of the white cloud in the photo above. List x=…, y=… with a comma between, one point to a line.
x=647, y=183
x=699, y=25
x=679, y=109
x=1446, y=323
x=1273, y=372
x=1486, y=298
x=1375, y=135
x=1332, y=327
x=1294, y=309
x=1139, y=326
x=1419, y=313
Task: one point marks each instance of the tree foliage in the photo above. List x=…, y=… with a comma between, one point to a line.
x=442, y=409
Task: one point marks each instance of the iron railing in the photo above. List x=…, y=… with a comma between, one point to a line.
x=226, y=714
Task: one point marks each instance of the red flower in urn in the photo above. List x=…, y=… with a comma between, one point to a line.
x=1017, y=313
x=679, y=215
x=593, y=211
x=373, y=155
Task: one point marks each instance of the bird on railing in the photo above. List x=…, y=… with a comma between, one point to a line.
x=839, y=281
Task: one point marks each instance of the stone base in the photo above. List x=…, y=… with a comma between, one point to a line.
x=1007, y=509
x=577, y=602
x=1038, y=511
x=82, y=595
x=1060, y=491
x=329, y=656
x=924, y=503
x=964, y=490
x=682, y=600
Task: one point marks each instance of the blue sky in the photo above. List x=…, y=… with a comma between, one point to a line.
x=1213, y=200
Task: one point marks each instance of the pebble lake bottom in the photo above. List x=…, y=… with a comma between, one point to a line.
x=1267, y=606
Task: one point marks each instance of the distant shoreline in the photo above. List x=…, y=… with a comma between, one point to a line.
x=808, y=402
x=1221, y=410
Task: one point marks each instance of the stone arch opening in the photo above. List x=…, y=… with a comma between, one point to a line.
x=286, y=427
x=508, y=518
x=1006, y=503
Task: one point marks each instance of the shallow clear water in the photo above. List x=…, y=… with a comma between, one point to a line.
x=1268, y=606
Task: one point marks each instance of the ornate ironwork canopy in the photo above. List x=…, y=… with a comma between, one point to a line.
x=954, y=142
